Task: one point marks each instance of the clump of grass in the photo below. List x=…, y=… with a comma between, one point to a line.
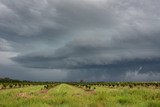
x=153, y=104
x=123, y=101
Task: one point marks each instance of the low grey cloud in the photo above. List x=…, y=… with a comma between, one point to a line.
x=5, y=45
x=94, y=40
x=141, y=76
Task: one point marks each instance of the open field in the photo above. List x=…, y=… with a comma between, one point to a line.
x=65, y=95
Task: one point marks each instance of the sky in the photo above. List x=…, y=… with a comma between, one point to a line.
x=73, y=40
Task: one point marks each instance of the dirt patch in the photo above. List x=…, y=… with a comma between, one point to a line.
x=23, y=95
x=91, y=92
x=76, y=94
x=44, y=91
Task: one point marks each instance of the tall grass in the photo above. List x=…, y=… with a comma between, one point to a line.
x=70, y=96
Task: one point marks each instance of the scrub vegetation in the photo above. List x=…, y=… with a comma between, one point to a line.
x=79, y=94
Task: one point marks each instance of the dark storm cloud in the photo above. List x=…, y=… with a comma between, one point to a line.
x=93, y=39
x=50, y=19
x=138, y=70
x=94, y=53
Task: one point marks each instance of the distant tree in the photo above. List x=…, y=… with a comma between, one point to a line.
x=81, y=81
x=10, y=85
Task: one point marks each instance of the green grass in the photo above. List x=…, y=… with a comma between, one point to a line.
x=69, y=96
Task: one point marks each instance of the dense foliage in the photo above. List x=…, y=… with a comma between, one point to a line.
x=10, y=83
x=6, y=83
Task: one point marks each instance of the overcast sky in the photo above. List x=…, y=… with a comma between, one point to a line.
x=73, y=40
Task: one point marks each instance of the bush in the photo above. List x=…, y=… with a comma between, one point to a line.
x=4, y=86
x=10, y=86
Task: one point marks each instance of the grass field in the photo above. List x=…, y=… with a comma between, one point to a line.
x=65, y=95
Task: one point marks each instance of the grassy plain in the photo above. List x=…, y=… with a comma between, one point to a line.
x=65, y=95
